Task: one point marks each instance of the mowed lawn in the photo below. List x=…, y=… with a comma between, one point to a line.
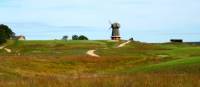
x=58, y=63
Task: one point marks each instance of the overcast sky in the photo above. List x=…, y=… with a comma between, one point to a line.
x=144, y=20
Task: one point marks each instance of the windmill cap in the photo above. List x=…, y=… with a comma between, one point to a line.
x=116, y=25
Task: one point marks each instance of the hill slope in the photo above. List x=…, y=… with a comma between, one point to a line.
x=60, y=63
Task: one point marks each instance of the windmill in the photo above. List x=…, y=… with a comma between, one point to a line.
x=115, y=31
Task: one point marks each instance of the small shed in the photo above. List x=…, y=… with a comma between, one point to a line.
x=176, y=40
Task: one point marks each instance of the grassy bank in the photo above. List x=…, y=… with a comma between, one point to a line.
x=65, y=64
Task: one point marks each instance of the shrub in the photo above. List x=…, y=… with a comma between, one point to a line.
x=82, y=37
x=65, y=37
x=75, y=37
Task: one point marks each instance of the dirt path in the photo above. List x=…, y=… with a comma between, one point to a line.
x=1, y=47
x=6, y=49
x=91, y=53
x=123, y=44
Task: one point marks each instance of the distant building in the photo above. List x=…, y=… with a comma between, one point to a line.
x=20, y=37
x=115, y=31
x=131, y=39
x=176, y=40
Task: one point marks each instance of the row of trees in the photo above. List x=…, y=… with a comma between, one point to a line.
x=75, y=37
x=5, y=33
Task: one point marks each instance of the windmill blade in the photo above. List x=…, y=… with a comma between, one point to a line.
x=110, y=28
x=109, y=22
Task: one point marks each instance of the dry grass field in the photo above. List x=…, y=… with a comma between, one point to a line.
x=65, y=64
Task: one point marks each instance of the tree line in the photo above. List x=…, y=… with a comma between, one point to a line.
x=76, y=37
x=6, y=33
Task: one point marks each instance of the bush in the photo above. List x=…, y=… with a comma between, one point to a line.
x=75, y=37
x=82, y=37
x=65, y=37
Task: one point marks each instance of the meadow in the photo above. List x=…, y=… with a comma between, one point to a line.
x=59, y=63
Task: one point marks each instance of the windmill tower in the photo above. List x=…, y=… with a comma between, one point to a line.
x=115, y=31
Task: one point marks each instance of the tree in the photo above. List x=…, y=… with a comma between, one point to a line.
x=75, y=37
x=65, y=37
x=6, y=32
x=82, y=37
x=2, y=38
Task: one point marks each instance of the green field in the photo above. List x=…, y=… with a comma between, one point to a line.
x=65, y=64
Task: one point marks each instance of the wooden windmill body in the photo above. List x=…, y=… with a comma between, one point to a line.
x=115, y=31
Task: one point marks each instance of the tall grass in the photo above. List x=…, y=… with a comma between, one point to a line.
x=65, y=64
x=136, y=80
